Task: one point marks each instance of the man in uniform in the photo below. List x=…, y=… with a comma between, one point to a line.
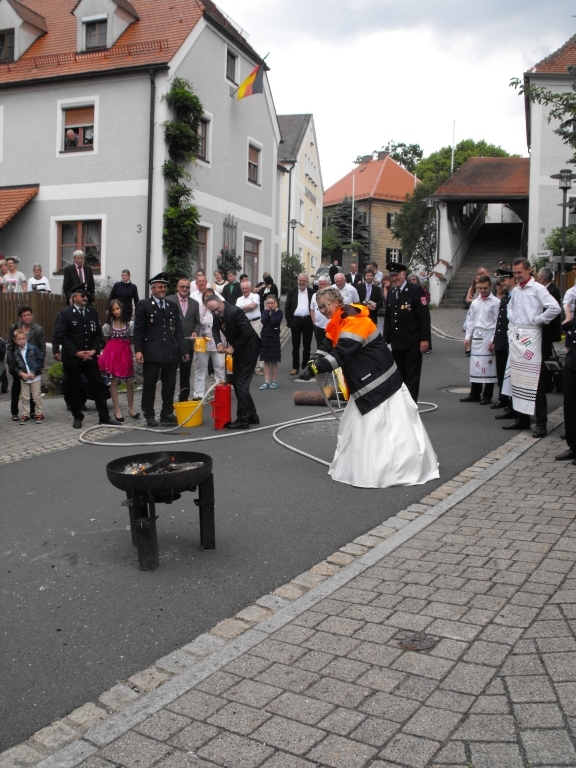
x=244, y=346
x=80, y=336
x=189, y=313
x=159, y=344
x=500, y=344
x=407, y=326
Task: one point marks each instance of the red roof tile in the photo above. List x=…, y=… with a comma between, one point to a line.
x=382, y=179
x=162, y=28
x=558, y=61
x=13, y=199
x=30, y=16
x=488, y=178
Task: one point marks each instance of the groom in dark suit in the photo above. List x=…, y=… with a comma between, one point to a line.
x=189, y=311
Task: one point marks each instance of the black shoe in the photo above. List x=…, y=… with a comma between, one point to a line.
x=470, y=399
x=168, y=421
x=238, y=424
x=77, y=424
x=151, y=421
x=253, y=419
x=540, y=431
x=518, y=424
x=499, y=404
x=507, y=414
x=108, y=421
x=569, y=454
x=485, y=401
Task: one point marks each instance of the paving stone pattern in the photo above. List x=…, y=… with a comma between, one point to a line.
x=493, y=579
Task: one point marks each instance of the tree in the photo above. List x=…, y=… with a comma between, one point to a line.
x=554, y=241
x=340, y=220
x=181, y=218
x=228, y=259
x=290, y=268
x=411, y=225
x=563, y=107
x=331, y=243
x=408, y=155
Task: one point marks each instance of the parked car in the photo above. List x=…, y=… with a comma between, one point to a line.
x=322, y=272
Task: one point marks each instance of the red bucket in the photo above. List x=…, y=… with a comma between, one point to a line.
x=222, y=405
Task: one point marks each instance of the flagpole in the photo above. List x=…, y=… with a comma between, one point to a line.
x=352, y=234
x=238, y=86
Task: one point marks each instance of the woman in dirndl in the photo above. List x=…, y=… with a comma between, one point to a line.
x=117, y=360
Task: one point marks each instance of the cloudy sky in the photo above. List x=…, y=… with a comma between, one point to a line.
x=374, y=70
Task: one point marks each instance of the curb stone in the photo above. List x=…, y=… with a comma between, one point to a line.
x=93, y=726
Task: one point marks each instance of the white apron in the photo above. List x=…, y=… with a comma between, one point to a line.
x=482, y=361
x=523, y=367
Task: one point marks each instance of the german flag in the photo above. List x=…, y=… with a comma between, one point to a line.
x=254, y=83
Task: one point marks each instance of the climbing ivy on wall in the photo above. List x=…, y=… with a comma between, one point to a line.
x=181, y=218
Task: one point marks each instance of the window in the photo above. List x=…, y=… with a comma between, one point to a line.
x=301, y=219
x=202, y=247
x=6, y=45
x=253, y=164
x=311, y=221
x=96, y=34
x=231, y=61
x=78, y=129
x=251, y=253
x=79, y=235
x=571, y=211
x=203, y=125
x=393, y=254
x=391, y=220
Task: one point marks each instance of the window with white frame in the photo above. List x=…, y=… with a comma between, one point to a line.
x=231, y=66
x=391, y=220
x=203, y=136
x=251, y=255
x=6, y=45
x=78, y=128
x=95, y=32
x=254, y=164
x=202, y=247
x=301, y=212
x=79, y=235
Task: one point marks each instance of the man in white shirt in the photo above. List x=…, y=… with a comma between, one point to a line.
x=482, y=318
x=378, y=275
x=348, y=292
x=298, y=319
x=569, y=303
x=201, y=359
x=39, y=282
x=320, y=321
x=530, y=308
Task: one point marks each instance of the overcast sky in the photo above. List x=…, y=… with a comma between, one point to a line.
x=374, y=70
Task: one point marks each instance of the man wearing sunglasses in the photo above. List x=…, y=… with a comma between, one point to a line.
x=80, y=336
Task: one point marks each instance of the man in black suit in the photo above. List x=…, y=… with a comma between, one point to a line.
x=80, y=337
x=231, y=290
x=299, y=320
x=159, y=344
x=407, y=326
x=78, y=273
x=189, y=312
x=370, y=295
x=500, y=344
x=354, y=277
x=551, y=332
x=334, y=269
x=244, y=346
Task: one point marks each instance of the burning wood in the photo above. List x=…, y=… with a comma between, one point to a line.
x=163, y=464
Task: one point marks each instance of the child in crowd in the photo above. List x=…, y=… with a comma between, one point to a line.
x=116, y=360
x=270, y=337
x=27, y=364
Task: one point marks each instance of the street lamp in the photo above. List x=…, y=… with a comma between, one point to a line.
x=430, y=205
x=565, y=183
x=293, y=224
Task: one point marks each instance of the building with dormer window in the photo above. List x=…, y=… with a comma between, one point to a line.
x=82, y=140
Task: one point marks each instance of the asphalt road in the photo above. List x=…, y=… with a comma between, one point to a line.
x=77, y=613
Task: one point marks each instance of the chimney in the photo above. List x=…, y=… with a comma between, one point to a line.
x=366, y=158
x=382, y=155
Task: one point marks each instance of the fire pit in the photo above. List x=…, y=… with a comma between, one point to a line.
x=151, y=478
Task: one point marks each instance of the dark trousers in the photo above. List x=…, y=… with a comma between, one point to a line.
x=302, y=330
x=167, y=373
x=409, y=362
x=319, y=334
x=15, y=394
x=4, y=380
x=570, y=406
x=185, y=368
x=244, y=364
x=476, y=390
x=501, y=360
x=75, y=394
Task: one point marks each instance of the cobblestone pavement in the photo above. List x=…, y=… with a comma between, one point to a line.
x=447, y=322
x=314, y=675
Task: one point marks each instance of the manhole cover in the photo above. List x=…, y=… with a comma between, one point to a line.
x=418, y=641
x=457, y=389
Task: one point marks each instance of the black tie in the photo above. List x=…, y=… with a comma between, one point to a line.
x=397, y=293
x=162, y=309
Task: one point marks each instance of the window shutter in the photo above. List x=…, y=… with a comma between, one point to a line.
x=253, y=154
x=79, y=116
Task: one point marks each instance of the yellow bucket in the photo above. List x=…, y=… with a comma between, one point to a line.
x=184, y=410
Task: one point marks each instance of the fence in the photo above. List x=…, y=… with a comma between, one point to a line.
x=45, y=308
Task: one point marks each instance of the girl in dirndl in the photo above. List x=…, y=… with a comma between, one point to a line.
x=116, y=360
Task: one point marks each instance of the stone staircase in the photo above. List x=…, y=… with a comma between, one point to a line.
x=493, y=243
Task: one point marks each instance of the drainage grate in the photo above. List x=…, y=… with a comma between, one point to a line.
x=417, y=641
x=457, y=389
